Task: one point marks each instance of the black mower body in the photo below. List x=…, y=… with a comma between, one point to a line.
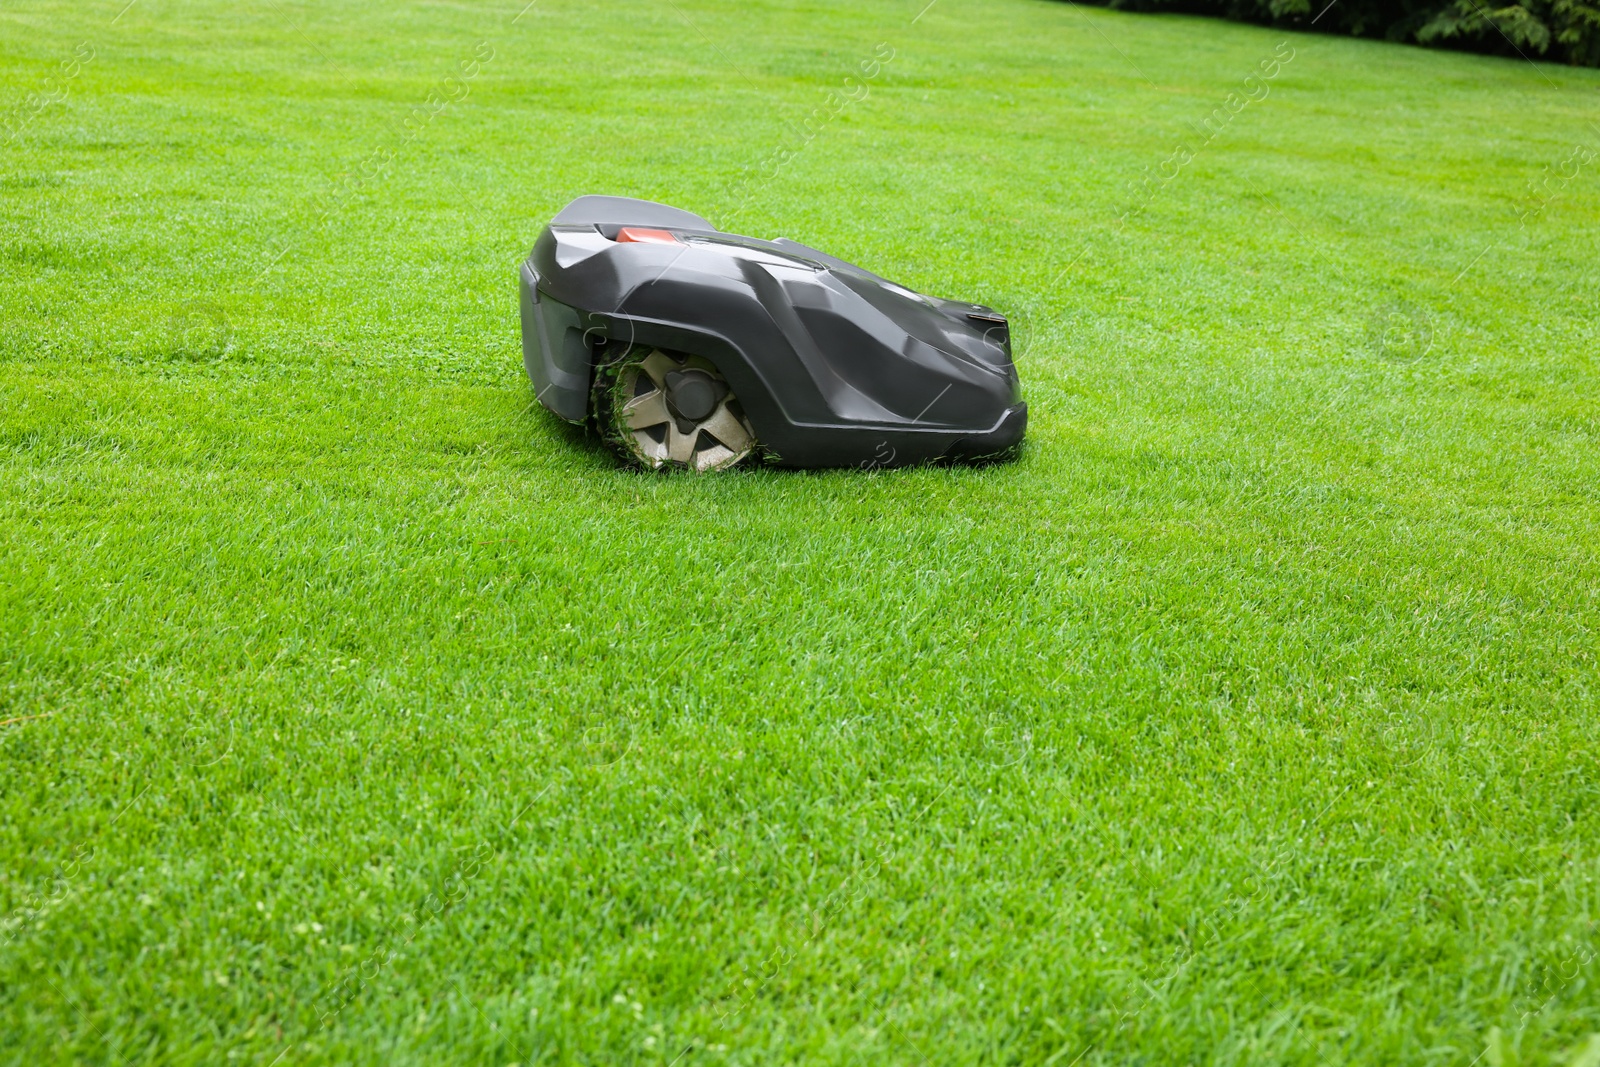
x=833, y=365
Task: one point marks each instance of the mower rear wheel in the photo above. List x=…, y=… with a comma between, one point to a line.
x=661, y=409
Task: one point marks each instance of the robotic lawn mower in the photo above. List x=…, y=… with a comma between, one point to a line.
x=692, y=348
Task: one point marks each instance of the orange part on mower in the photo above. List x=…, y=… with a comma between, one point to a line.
x=643, y=236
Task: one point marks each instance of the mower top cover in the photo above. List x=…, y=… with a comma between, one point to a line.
x=692, y=348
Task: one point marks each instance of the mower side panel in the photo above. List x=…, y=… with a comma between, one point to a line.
x=788, y=443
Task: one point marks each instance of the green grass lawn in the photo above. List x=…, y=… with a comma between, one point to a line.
x=357, y=711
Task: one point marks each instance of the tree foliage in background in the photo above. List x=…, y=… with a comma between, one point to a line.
x=1566, y=30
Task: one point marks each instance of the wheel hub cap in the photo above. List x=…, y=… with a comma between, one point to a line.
x=692, y=394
